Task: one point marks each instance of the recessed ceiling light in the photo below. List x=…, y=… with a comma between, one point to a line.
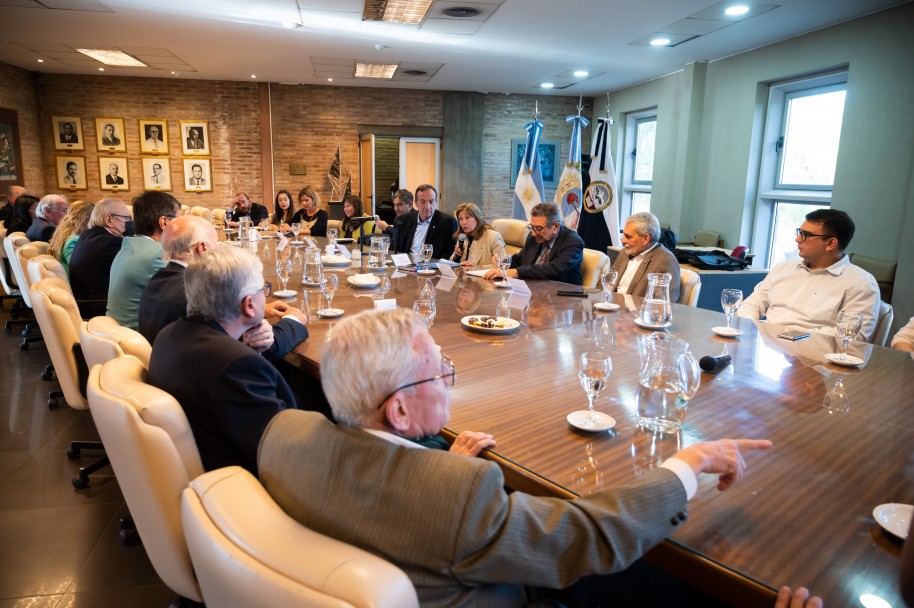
x=375, y=70
x=660, y=41
x=41, y=61
x=547, y=85
x=396, y=11
x=739, y=9
x=113, y=57
x=329, y=80
x=101, y=69
x=581, y=73
x=253, y=75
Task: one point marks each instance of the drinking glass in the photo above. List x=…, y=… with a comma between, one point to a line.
x=329, y=283
x=283, y=271
x=426, y=310
x=264, y=224
x=608, y=281
x=426, y=253
x=333, y=234
x=730, y=300
x=836, y=400
x=296, y=228
x=593, y=373
x=227, y=218
x=504, y=263
x=503, y=309
x=848, y=324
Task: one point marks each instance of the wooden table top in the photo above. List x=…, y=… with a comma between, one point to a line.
x=803, y=514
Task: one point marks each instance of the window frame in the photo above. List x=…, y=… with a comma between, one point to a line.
x=631, y=186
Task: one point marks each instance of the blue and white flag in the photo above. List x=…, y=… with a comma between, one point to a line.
x=528, y=191
x=568, y=194
x=599, y=227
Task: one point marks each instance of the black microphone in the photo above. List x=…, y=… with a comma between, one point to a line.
x=712, y=365
x=461, y=240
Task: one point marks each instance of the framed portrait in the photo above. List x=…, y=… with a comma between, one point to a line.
x=156, y=174
x=10, y=150
x=549, y=151
x=197, y=175
x=112, y=172
x=153, y=136
x=195, y=137
x=68, y=133
x=109, y=134
x=71, y=173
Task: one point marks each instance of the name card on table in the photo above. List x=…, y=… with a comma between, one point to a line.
x=344, y=252
x=446, y=283
x=446, y=271
x=385, y=304
x=308, y=240
x=518, y=300
x=283, y=242
x=401, y=259
x=518, y=285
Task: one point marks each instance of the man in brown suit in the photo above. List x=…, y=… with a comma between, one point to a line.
x=643, y=255
x=444, y=517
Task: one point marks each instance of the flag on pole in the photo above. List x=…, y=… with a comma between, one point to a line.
x=599, y=227
x=528, y=191
x=568, y=194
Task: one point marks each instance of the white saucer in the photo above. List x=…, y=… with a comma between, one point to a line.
x=229, y=231
x=425, y=272
x=604, y=421
x=330, y=313
x=894, y=517
x=606, y=306
x=843, y=360
x=285, y=293
x=369, y=283
x=727, y=332
x=502, y=284
x=641, y=323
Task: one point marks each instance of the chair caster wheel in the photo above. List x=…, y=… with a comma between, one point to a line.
x=80, y=482
x=73, y=453
x=47, y=374
x=26, y=332
x=24, y=345
x=129, y=537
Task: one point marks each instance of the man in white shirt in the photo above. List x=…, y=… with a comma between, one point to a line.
x=644, y=255
x=153, y=143
x=904, y=339
x=809, y=293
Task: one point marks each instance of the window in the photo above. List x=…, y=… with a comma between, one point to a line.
x=802, y=135
x=638, y=161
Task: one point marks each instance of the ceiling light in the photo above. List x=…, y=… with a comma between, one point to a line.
x=396, y=11
x=547, y=85
x=101, y=69
x=329, y=80
x=253, y=75
x=41, y=61
x=581, y=73
x=375, y=70
x=110, y=57
x=660, y=41
x=739, y=9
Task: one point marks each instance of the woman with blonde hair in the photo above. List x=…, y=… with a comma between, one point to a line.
x=482, y=242
x=67, y=232
x=312, y=218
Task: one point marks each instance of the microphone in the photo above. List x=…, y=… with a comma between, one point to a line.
x=461, y=240
x=712, y=365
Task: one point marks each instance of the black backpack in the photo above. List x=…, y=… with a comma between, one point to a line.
x=710, y=260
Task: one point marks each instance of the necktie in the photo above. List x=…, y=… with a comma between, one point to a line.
x=543, y=255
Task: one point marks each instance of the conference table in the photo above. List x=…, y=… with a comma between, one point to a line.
x=802, y=516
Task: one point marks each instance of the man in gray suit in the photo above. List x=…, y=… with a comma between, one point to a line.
x=444, y=517
x=643, y=255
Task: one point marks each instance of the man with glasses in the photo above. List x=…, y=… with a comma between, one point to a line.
x=50, y=211
x=228, y=390
x=643, y=254
x=809, y=293
x=445, y=518
x=428, y=226
x=90, y=264
x=140, y=256
x=551, y=251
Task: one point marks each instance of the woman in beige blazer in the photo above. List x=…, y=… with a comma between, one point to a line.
x=482, y=242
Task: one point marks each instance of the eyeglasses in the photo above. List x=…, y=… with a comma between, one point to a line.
x=123, y=218
x=267, y=290
x=805, y=235
x=447, y=371
x=537, y=229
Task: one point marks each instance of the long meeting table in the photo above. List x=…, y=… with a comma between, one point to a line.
x=803, y=515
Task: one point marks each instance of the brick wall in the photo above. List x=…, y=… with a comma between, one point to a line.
x=19, y=92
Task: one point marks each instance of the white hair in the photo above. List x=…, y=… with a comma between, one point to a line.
x=217, y=281
x=47, y=201
x=102, y=210
x=181, y=236
x=645, y=223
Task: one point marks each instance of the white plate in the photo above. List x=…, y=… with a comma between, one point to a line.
x=845, y=360
x=334, y=260
x=509, y=325
x=285, y=293
x=330, y=313
x=606, y=306
x=727, y=332
x=894, y=517
x=641, y=323
x=229, y=230
x=364, y=284
x=268, y=235
x=426, y=272
x=502, y=284
x=578, y=419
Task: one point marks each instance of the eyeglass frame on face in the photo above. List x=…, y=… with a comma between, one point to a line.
x=123, y=218
x=803, y=235
x=541, y=229
x=445, y=360
x=266, y=288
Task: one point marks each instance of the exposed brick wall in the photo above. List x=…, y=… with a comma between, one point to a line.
x=19, y=92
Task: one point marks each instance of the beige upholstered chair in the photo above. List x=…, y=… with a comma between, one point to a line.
x=10, y=244
x=103, y=339
x=882, y=270
x=613, y=253
x=130, y=210
x=19, y=264
x=333, y=224
x=514, y=233
x=592, y=267
x=689, y=287
x=45, y=266
x=248, y=552
x=201, y=212
x=10, y=286
x=185, y=209
x=706, y=238
x=883, y=324
x=219, y=215
x=154, y=456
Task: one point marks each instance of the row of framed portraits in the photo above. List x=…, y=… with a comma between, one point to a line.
x=110, y=135
x=114, y=175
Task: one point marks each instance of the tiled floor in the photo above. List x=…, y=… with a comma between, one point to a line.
x=59, y=546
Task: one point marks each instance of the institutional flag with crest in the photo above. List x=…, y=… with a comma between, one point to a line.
x=528, y=191
x=568, y=194
x=599, y=225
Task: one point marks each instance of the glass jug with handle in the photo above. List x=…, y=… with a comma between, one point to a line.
x=656, y=309
x=669, y=378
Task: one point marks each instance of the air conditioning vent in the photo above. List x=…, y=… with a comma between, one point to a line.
x=461, y=12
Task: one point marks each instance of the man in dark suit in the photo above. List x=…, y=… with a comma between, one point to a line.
x=68, y=136
x=428, y=226
x=243, y=206
x=403, y=206
x=194, y=141
x=227, y=389
x=90, y=265
x=51, y=209
x=113, y=178
x=468, y=542
x=108, y=136
x=551, y=251
x=643, y=255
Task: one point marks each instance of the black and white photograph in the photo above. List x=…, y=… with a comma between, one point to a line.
x=68, y=133
x=109, y=134
x=156, y=174
x=113, y=173
x=71, y=172
x=153, y=136
x=197, y=175
x=195, y=137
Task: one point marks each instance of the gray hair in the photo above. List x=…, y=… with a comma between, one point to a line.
x=182, y=235
x=217, y=281
x=645, y=223
x=356, y=378
x=550, y=211
x=102, y=210
x=49, y=200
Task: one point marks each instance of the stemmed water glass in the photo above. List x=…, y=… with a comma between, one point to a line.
x=503, y=309
x=504, y=263
x=332, y=235
x=329, y=283
x=296, y=228
x=730, y=300
x=608, y=281
x=426, y=310
x=426, y=253
x=227, y=218
x=593, y=373
x=283, y=270
x=848, y=324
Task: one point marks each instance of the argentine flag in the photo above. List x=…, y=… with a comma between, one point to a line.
x=528, y=191
x=568, y=194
